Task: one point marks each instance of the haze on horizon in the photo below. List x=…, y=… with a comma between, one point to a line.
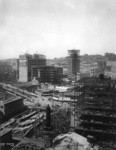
x=52, y=27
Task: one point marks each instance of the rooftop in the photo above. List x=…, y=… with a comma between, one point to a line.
x=34, y=56
x=96, y=80
x=4, y=131
x=73, y=51
x=4, y=95
x=15, y=98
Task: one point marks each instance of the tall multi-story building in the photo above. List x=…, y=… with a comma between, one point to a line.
x=15, y=67
x=73, y=61
x=26, y=64
x=101, y=65
x=51, y=74
x=96, y=110
x=7, y=73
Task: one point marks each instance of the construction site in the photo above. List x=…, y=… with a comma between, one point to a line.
x=78, y=116
x=96, y=110
x=81, y=117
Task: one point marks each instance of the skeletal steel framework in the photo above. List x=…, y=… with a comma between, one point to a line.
x=96, y=110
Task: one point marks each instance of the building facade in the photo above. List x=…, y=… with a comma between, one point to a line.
x=93, y=71
x=110, y=69
x=10, y=105
x=15, y=67
x=50, y=74
x=73, y=61
x=96, y=110
x=6, y=72
x=26, y=64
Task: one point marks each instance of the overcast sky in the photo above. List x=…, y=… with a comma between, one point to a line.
x=51, y=27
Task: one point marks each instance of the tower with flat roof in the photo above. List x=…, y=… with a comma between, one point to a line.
x=73, y=61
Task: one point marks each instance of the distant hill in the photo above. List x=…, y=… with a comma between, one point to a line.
x=57, y=61
x=84, y=58
x=91, y=58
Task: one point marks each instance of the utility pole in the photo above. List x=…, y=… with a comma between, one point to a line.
x=74, y=100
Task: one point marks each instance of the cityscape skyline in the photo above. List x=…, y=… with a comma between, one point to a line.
x=52, y=27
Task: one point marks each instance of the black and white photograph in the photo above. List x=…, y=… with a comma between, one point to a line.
x=57, y=74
